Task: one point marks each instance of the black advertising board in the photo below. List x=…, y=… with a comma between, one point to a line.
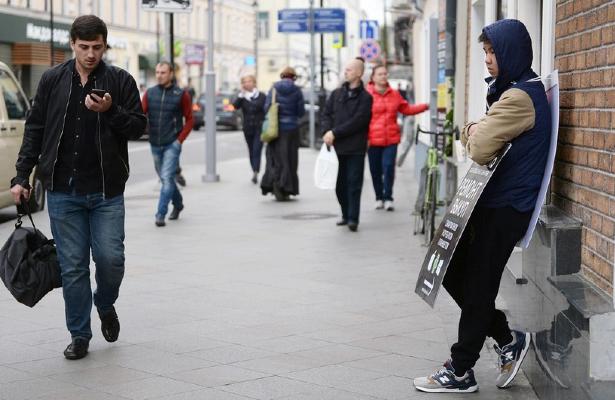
x=451, y=228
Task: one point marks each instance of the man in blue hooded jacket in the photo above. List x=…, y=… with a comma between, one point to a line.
x=517, y=113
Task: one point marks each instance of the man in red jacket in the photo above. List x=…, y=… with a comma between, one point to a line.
x=384, y=134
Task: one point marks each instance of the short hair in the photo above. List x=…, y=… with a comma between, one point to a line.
x=483, y=38
x=360, y=59
x=88, y=27
x=288, y=73
x=168, y=64
x=248, y=76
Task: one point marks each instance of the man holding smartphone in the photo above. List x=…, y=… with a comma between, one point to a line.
x=83, y=114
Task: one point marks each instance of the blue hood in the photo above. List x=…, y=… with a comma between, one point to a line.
x=285, y=87
x=513, y=51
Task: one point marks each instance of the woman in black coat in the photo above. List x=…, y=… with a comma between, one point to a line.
x=280, y=176
x=251, y=102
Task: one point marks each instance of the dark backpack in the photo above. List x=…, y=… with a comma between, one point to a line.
x=29, y=265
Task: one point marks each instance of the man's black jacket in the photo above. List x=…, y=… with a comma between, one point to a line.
x=347, y=114
x=45, y=124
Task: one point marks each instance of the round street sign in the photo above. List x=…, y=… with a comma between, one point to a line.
x=370, y=49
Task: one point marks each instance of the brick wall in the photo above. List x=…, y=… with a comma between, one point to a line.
x=584, y=177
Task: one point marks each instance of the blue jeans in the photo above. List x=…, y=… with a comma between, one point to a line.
x=255, y=146
x=166, y=160
x=80, y=223
x=382, y=168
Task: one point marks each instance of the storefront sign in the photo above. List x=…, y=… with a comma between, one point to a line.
x=194, y=54
x=17, y=29
x=446, y=238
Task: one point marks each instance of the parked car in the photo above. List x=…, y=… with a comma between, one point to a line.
x=226, y=114
x=14, y=107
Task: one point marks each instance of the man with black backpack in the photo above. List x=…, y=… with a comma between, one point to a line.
x=83, y=114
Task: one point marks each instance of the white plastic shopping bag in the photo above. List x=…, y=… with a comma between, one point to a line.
x=325, y=171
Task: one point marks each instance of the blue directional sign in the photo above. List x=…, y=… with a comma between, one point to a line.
x=368, y=29
x=297, y=20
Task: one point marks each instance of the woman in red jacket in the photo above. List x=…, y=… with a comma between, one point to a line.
x=384, y=135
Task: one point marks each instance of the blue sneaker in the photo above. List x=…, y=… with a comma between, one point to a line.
x=510, y=358
x=444, y=380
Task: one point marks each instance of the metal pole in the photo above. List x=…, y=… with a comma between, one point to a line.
x=322, y=59
x=172, y=42
x=210, y=102
x=256, y=40
x=51, y=29
x=157, y=38
x=312, y=76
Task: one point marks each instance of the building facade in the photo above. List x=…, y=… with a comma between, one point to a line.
x=136, y=37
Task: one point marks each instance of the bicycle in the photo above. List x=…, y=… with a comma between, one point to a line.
x=427, y=200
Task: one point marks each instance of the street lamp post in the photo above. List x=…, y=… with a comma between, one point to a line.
x=255, y=5
x=210, y=102
x=312, y=75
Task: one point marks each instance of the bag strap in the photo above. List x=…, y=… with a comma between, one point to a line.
x=273, y=95
x=25, y=206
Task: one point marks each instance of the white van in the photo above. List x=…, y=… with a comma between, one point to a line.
x=14, y=106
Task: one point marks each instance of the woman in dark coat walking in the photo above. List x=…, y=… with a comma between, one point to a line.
x=280, y=176
x=251, y=102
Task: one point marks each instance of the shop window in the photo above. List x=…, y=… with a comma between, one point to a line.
x=263, y=25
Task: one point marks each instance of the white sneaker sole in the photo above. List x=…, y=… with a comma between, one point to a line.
x=471, y=389
x=528, y=339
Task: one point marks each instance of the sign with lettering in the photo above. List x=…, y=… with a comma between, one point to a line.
x=446, y=238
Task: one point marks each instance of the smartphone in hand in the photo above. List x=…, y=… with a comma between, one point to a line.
x=97, y=92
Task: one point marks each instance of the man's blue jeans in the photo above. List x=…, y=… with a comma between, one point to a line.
x=382, y=168
x=166, y=159
x=80, y=223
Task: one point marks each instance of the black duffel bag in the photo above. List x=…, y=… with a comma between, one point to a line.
x=29, y=264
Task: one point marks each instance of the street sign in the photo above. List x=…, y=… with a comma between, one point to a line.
x=194, y=54
x=338, y=40
x=173, y=6
x=368, y=29
x=297, y=20
x=370, y=50
x=444, y=243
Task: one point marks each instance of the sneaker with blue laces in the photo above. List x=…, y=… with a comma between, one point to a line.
x=444, y=380
x=510, y=357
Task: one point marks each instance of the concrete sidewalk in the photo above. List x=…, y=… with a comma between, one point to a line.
x=246, y=298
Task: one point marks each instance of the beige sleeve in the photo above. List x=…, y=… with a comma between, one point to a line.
x=464, y=133
x=507, y=118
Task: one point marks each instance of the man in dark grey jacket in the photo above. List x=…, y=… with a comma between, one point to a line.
x=346, y=123
x=83, y=114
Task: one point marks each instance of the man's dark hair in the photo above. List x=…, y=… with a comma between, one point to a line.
x=88, y=27
x=360, y=59
x=167, y=64
x=483, y=38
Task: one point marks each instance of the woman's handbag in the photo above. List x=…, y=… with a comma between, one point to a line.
x=270, y=125
x=29, y=265
x=325, y=170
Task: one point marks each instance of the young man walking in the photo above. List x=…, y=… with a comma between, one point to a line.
x=169, y=110
x=82, y=116
x=346, y=123
x=518, y=113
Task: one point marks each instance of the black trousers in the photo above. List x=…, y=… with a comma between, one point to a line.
x=282, y=157
x=349, y=185
x=252, y=135
x=473, y=279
